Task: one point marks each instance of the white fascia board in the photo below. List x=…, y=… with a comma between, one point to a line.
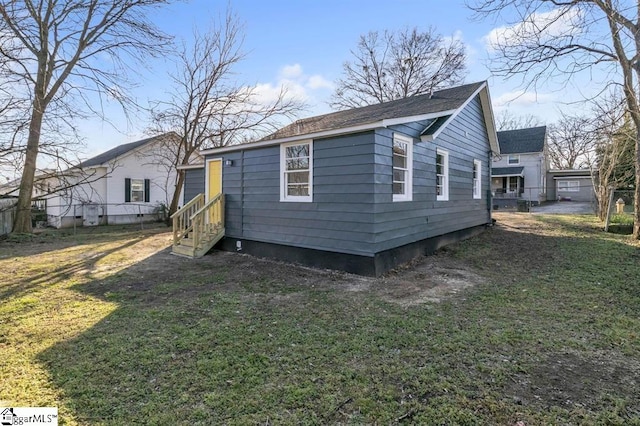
x=487, y=110
x=457, y=111
x=412, y=118
x=191, y=166
x=327, y=133
x=489, y=120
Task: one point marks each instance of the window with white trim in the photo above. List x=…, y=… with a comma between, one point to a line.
x=402, y=168
x=296, y=172
x=442, y=175
x=568, y=186
x=477, y=179
x=513, y=159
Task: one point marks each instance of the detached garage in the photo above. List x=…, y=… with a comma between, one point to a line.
x=570, y=185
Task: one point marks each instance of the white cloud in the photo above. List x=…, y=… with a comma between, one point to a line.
x=295, y=82
x=539, y=26
x=472, y=53
x=291, y=71
x=318, y=82
x=520, y=98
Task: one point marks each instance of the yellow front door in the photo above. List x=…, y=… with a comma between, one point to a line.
x=214, y=178
x=214, y=187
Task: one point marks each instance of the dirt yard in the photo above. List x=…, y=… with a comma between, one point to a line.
x=524, y=323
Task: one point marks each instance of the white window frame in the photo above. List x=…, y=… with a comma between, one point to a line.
x=571, y=186
x=516, y=157
x=283, y=173
x=131, y=191
x=408, y=172
x=477, y=179
x=445, y=185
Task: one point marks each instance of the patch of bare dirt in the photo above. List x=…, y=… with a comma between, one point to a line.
x=569, y=381
x=427, y=279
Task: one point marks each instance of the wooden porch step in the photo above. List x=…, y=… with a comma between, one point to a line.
x=185, y=247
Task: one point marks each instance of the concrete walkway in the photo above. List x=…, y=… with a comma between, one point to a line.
x=564, y=207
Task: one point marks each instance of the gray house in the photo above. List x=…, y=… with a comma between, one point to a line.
x=519, y=172
x=570, y=185
x=360, y=190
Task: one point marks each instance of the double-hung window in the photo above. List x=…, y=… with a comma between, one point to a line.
x=442, y=175
x=402, y=168
x=296, y=171
x=513, y=159
x=477, y=179
x=137, y=190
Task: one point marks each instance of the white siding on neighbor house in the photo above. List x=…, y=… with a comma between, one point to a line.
x=107, y=188
x=136, y=166
x=535, y=170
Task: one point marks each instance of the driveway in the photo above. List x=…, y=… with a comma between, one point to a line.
x=564, y=207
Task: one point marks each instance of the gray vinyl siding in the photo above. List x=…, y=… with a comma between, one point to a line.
x=404, y=222
x=193, y=184
x=352, y=209
x=340, y=218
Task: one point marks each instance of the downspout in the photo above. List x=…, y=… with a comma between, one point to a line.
x=242, y=193
x=489, y=192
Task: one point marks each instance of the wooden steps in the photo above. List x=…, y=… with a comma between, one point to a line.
x=197, y=227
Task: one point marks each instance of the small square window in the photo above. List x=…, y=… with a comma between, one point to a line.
x=514, y=159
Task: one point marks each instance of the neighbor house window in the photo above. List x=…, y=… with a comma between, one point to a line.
x=442, y=175
x=136, y=190
x=514, y=159
x=402, y=168
x=569, y=185
x=477, y=179
x=513, y=183
x=296, y=166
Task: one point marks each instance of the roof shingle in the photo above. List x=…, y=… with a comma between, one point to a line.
x=521, y=141
x=440, y=101
x=116, y=152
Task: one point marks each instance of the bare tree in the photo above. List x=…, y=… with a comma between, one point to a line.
x=206, y=107
x=571, y=141
x=505, y=120
x=559, y=39
x=612, y=161
x=396, y=65
x=59, y=54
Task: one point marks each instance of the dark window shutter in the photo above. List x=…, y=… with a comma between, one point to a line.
x=127, y=190
x=147, y=192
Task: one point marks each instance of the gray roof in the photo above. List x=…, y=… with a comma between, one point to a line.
x=118, y=151
x=440, y=101
x=507, y=171
x=522, y=140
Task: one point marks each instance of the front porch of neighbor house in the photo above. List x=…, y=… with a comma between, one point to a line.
x=507, y=186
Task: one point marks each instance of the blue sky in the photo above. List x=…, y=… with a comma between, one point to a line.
x=304, y=43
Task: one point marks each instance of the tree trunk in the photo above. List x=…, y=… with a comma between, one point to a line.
x=636, y=192
x=173, y=207
x=22, y=223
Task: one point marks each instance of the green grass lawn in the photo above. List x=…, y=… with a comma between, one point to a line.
x=110, y=328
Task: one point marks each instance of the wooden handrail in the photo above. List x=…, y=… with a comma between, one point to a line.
x=212, y=213
x=182, y=219
x=195, y=199
x=206, y=206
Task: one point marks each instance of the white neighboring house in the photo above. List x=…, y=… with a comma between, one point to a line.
x=521, y=170
x=130, y=183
